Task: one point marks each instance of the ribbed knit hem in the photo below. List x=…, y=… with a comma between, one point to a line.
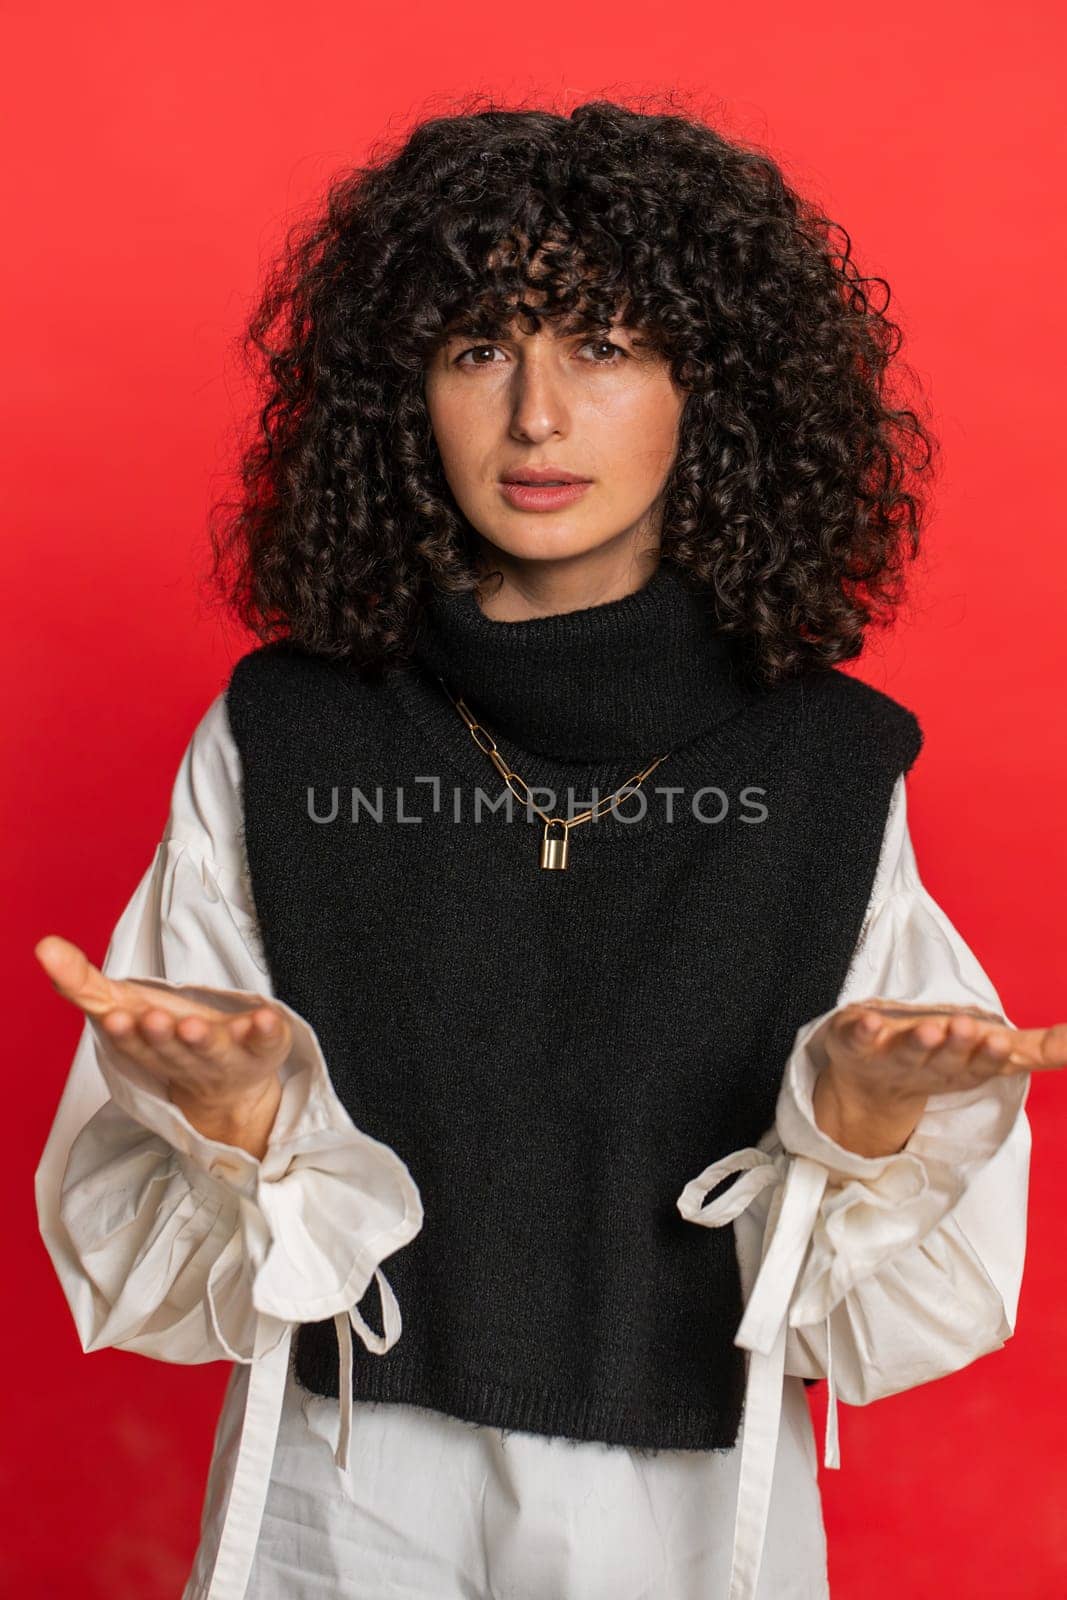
x=607, y=1419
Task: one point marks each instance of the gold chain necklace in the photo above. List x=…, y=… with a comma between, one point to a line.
x=553, y=851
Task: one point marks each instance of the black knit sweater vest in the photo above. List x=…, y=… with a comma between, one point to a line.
x=555, y=1054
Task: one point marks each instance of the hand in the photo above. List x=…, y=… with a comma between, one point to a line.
x=885, y=1057
x=220, y=1068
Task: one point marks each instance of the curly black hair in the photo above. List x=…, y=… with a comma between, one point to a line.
x=794, y=496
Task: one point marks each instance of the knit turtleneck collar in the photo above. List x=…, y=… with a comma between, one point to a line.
x=621, y=681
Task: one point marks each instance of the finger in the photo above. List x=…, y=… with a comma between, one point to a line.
x=123, y=1029
x=202, y=1035
x=260, y=1031
x=1038, y=1049
x=155, y=1040
x=962, y=1036
x=1054, y=1046
x=73, y=975
x=184, y=1045
x=994, y=1050
x=859, y=1033
x=908, y=1046
x=117, y=1023
x=199, y=1039
x=970, y=1052
x=921, y=1041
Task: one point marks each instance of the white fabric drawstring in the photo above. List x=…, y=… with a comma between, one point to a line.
x=763, y=1329
x=344, y=1322
x=259, y=1433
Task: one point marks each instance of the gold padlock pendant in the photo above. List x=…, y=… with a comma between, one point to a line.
x=554, y=851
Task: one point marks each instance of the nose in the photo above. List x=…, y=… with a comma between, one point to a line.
x=538, y=403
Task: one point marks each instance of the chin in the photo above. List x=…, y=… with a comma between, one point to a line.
x=544, y=542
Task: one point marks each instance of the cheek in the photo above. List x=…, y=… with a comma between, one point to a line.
x=639, y=432
x=457, y=429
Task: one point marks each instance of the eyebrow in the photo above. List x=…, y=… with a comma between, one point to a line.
x=482, y=330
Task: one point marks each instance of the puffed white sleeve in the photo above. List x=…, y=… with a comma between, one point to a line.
x=877, y=1273
x=175, y=1245
x=915, y=1262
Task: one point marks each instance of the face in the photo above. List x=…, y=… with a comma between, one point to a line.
x=601, y=405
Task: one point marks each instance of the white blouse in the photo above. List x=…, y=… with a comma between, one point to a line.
x=877, y=1273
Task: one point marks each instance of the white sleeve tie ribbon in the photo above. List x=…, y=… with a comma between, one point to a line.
x=259, y=1432
x=763, y=1328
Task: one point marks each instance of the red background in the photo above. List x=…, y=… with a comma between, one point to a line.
x=152, y=158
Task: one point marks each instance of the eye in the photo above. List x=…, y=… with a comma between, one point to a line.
x=601, y=343
x=605, y=344
x=475, y=349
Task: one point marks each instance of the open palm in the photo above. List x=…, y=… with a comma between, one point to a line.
x=213, y=1062
x=889, y=1050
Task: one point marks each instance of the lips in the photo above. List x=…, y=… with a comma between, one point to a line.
x=543, y=476
x=539, y=495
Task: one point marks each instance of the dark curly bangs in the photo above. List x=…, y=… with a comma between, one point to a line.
x=794, y=498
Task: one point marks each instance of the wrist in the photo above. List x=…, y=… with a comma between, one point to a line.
x=864, y=1124
x=243, y=1121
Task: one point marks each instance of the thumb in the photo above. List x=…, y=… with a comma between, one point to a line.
x=73, y=975
x=1045, y=1047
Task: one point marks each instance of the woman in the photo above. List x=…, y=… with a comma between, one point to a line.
x=536, y=874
